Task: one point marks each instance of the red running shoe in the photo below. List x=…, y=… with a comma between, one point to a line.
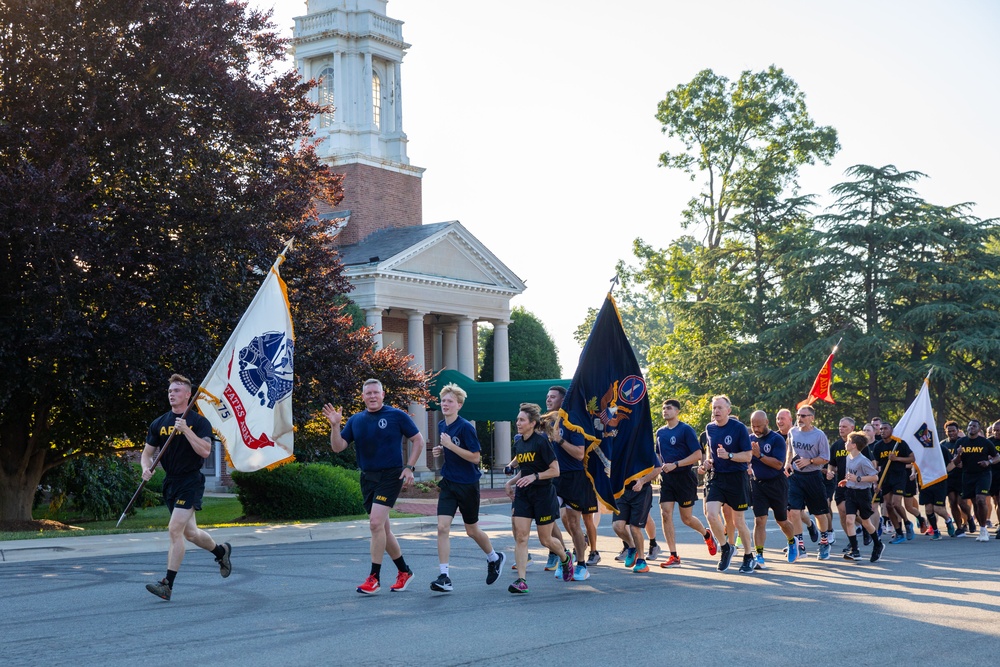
x=402, y=581
x=371, y=585
x=713, y=546
x=673, y=561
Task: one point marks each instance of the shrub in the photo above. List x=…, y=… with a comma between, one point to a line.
x=299, y=491
x=98, y=487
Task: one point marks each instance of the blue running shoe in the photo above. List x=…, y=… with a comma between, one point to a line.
x=630, y=558
x=909, y=530
x=951, y=528
x=793, y=551
x=824, y=551
x=552, y=562
x=899, y=539
x=559, y=570
x=581, y=573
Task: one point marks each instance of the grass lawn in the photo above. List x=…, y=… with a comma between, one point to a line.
x=215, y=512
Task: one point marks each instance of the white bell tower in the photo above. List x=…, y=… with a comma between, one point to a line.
x=354, y=50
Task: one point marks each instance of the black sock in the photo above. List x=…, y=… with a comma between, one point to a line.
x=219, y=551
x=932, y=519
x=625, y=545
x=674, y=554
x=376, y=570
x=581, y=563
x=171, y=575
x=400, y=564
x=874, y=536
x=652, y=543
x=853, y=539
x=707, y=535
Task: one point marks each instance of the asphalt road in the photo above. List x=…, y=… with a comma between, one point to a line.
x=295, y=603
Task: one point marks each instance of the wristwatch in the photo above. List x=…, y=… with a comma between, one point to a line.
x=412, y=468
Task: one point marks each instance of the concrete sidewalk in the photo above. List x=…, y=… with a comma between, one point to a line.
x=55, y=548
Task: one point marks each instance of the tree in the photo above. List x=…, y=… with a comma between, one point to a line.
x=923, y=290
x=533, y=354
x=152, y=163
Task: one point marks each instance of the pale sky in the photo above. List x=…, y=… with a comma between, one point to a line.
x=535, y=118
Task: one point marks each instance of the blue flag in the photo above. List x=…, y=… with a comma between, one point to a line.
x=607, y=402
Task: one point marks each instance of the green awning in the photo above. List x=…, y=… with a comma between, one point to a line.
x=493, y=401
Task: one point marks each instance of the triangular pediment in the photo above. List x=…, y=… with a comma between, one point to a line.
x=453, y=254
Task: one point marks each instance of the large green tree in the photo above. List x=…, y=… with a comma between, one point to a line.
x=921, y=288
x=533, y=354
x=151, y=165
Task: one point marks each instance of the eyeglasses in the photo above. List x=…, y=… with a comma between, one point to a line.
x=801, y=414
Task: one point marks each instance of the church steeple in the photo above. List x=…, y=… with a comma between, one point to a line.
x=355, y=51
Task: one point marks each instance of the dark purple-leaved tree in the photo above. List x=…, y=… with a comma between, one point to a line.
x=152, y=163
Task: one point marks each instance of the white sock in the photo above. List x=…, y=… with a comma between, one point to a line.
x=492, y=556
x=444, y=569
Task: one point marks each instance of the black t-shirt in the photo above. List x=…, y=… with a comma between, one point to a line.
x=179, y=458
x=975, y=450
x=949, y=446
x=838, y=457
x=535, y=454
x=881, y=450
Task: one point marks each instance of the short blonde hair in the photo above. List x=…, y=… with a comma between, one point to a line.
x=180, y=379
x=456, y=391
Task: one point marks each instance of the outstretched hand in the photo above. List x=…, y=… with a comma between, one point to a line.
x=333, y=415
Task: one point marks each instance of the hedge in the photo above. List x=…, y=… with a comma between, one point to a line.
x=298, y=491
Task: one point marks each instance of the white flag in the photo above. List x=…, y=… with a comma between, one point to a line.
x=247, y=396
x=917, y=429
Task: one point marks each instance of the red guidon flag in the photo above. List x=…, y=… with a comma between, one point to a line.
x=247, y=396
x=821, y=387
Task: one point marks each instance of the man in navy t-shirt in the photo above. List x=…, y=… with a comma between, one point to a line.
x=459, y=445
x=730, y=451
x=377, y=433
x=679, y=450
x=769, y=485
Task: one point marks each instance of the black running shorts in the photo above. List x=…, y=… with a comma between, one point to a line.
x=185, y=492
x=381, y=487
x=459, y=497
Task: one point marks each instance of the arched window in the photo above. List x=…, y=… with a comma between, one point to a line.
x=376, y=100
x=326, y=96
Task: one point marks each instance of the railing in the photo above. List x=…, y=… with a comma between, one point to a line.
x=365, y=23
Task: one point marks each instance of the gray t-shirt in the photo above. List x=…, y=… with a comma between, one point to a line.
x=859, y=465
x=811, y=444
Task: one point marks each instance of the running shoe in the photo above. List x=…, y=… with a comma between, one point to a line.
x=371, y=585
x=559, y=570
x=673, y=561
x=983, y=536
x=442, y=584
x=712, y=544
x=758, y=562
x=792, y=550
x=958, y=532
x=899, y=539
x=552, y=563
x=641, y=566
x=493, y=569
x=877, y=550
x=403, y=580
x=909, y=530
x=725, y=557
x=951, y=528
x=866, y=538
x=813, y=533
x=831, y=537
x=581, y=573
x=854, y=554
x=922, y=524
x=654, y=552
x=161, y=589
x=739, y=541
x=567, y=567
x=928, y=530
x=935, y=534
x=621, y=557
x=519, y=586
x=748, y=564
x=225, y=566
x=595, y=558
x=630, y=558
x=824, y=551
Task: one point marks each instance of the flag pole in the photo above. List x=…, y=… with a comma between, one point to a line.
x=897, y=440
x=196, y=394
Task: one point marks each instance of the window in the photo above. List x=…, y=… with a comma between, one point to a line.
x=376, y=100
x=326, y=96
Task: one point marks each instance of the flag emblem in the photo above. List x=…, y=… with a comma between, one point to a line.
x=267, y=361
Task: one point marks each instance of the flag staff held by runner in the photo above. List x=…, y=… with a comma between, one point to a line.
x=271, y=448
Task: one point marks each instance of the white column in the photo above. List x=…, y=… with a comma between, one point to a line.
x=397, y=107
x=366, y=89
x=501, y=373
x=373, y=318
x=466, y=351
x=449, y=345
x=415, y=347
x=437, y=348
x=339, y=89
